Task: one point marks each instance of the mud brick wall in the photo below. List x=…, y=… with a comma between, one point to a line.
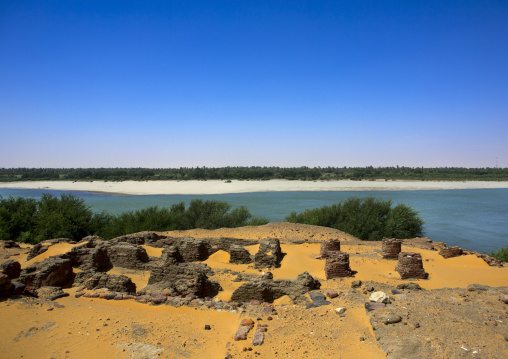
x=337, y=265
x=329, y=246
x=410, y=265
x=239, y=255
x=390, y=248
x=450, y=252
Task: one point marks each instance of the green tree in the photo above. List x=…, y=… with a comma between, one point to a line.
x=366, y=218
x=17, y=217
x=67, y=217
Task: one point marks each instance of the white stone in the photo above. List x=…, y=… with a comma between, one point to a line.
x=340, y=310
x=379, y=297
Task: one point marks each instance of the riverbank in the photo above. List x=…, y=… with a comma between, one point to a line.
x=236, y=186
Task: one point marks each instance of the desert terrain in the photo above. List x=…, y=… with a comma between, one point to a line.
x=459, y=311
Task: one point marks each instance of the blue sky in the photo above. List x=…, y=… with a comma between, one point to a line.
x=245, y=83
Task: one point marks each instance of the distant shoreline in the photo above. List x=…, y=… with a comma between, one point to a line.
x=194, y=187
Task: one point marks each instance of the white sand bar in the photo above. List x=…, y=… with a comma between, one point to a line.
x=221, y=187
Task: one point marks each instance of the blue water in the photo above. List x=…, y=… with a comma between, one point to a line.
x=472, y=219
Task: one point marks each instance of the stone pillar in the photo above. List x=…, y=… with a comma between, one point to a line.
x=450, y=252
x=337, y=265
x=327, y=246
x=390, y=248
x=410, y=265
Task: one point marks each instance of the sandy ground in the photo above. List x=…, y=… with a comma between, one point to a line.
x=221, y=187
x=84, y=328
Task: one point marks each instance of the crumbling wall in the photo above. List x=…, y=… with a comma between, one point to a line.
x=450, y=252
x=269, y=254
x=390, y=248
x=337, y=265
x=410, y=265
x=332, y=245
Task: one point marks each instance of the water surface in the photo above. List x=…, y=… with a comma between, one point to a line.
x=474, y=219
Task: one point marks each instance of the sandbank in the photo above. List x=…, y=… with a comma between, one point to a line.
x=235, y=186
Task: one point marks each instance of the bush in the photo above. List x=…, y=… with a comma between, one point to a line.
x=64, y=217
x=33, y=221
x=199, y=214
x=501, y=254
x=17, y=218
x=366, y=218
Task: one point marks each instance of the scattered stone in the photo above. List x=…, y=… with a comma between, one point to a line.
x=332, y=294
x=379, y=297
x=391, y=319
x=504, y=298
x=373, y=306
x=241, y=333
x=159, y=299
x=79, y=294
x=477, y=288
x=247, y=322
x=340, y=310
x=58, y=296
x=409, y=286
x=356, y=284
x=208, y=327
x=259, y=338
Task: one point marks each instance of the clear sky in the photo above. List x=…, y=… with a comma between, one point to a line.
x=246, y=83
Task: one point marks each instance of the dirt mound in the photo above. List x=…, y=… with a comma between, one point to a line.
x=282, y=231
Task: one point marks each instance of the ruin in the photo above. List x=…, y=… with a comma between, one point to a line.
x=337, y=265
x=329, y=246
x=239, y=255
x=410, y=265
x=390, y=248
x=269, y=254
x=450, y=252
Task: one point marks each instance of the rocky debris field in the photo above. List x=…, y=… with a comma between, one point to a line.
x=151, y=295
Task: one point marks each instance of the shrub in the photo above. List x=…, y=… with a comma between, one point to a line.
x=199, y=214
x=17, y=218
x=501, y=254
x=33, y=221
x=67, y=217
x=366, y=218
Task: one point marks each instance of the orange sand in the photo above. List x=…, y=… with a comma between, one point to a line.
x=78, y=326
